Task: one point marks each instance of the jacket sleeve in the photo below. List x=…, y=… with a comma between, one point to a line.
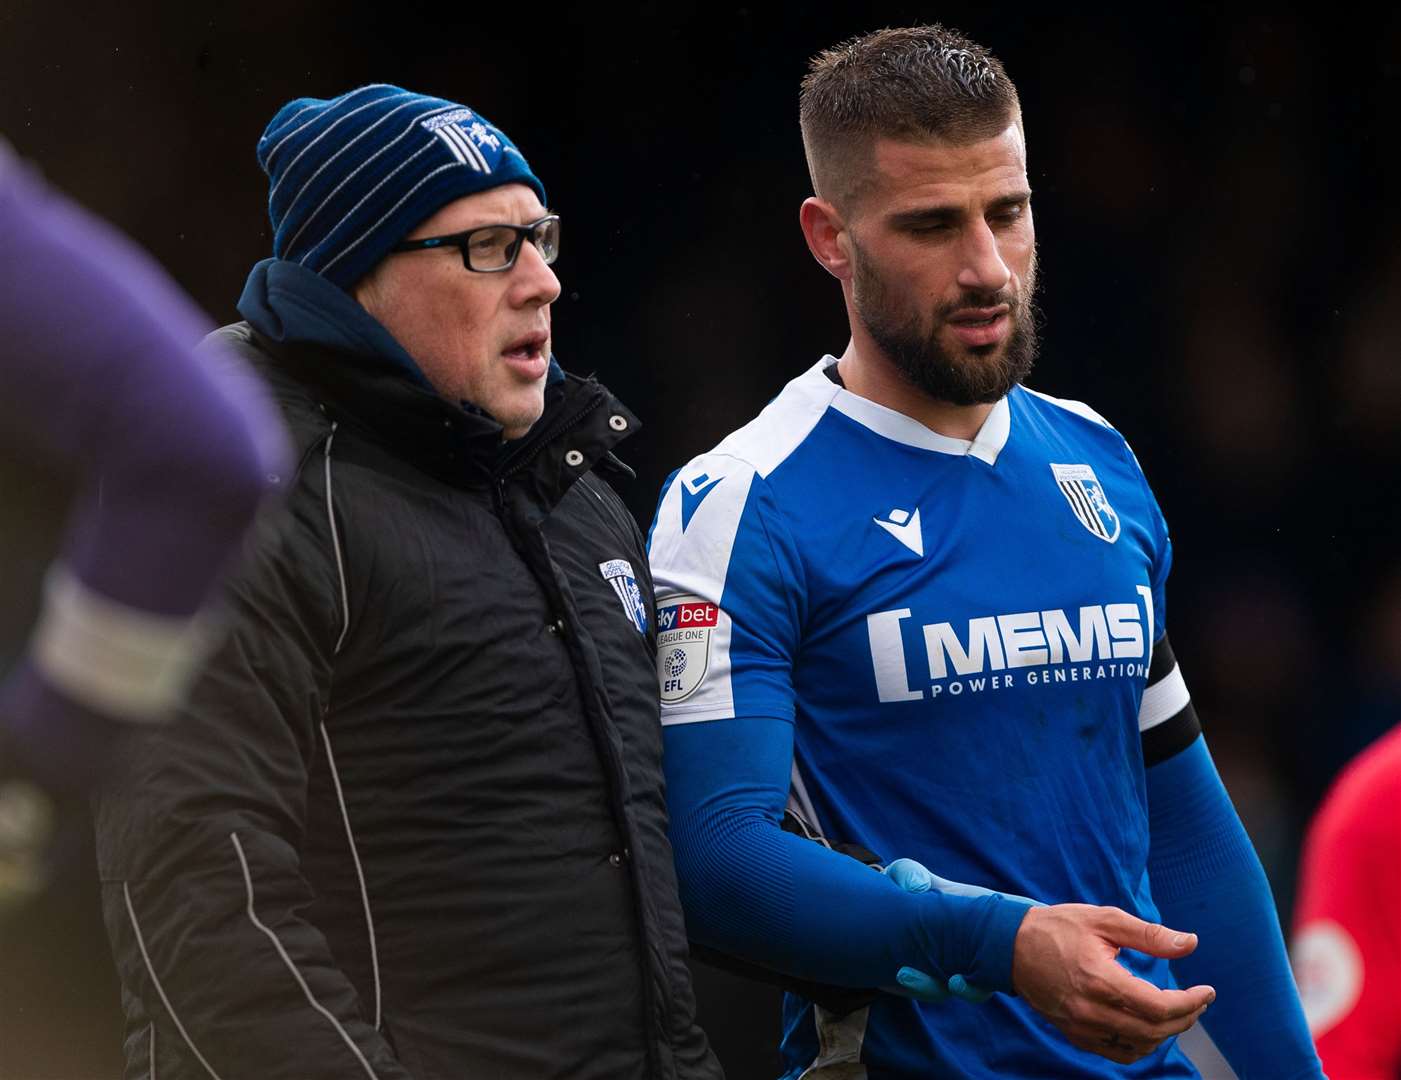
x=198, y=838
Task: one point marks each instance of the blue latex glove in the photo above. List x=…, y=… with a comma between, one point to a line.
x=916, y=878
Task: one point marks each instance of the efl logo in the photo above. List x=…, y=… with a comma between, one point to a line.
x=683, y=646
x=687, y=617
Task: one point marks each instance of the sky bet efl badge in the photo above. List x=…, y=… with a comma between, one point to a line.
x=684, y=626
x=618, y=573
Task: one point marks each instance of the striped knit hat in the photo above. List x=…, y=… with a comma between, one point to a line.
x=353, y=175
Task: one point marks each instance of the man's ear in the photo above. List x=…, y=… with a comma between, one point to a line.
x=827, y=238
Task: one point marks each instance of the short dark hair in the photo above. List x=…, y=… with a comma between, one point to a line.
x=918, y=82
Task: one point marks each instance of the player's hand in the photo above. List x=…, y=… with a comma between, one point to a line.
x=1063, y=965
x=912, y=983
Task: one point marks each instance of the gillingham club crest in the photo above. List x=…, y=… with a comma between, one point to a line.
x=684, y=626
x=1085, y=494
x=618, y=573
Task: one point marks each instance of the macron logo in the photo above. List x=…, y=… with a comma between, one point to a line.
x=904, y=526
x=693, y=493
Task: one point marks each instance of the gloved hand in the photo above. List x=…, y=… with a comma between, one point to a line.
x=916, y=878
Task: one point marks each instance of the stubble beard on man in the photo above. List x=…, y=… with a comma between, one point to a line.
x=977, y=375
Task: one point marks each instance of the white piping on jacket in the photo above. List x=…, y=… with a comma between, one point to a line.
x=336, y=544
x=141, y=944
x=306, y=990
x=359, y=872
x=330, y=755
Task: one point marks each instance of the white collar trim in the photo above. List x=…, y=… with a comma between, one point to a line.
x=985, y=446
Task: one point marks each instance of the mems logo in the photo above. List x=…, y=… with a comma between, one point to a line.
x=996, y=652
x=684, y=627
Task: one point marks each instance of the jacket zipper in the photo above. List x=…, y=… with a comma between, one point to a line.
x=517, y=463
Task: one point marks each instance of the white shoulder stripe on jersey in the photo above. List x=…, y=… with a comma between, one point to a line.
x=698, y=520
x=1163, y=700
x=785, y=423
x=768, y=440
x=760, y=446
x=699, y=569
x=1079, y=408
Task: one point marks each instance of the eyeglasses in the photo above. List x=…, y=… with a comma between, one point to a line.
x=490, y=249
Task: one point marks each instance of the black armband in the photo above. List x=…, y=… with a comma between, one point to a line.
x=1167, y=722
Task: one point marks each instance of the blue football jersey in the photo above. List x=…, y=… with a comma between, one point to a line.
x=960, y=633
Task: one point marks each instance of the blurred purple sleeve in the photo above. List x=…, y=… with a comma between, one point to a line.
x=174, y=451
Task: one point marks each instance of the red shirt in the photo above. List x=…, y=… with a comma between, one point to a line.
x=1347, y=939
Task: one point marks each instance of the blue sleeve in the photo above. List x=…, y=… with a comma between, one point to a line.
x=1206, y=878
x=755, y=891
x=730, y=595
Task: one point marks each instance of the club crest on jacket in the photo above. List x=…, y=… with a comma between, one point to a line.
x=618, y=573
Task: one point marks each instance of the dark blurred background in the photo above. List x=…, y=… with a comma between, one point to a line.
x=1220, y=251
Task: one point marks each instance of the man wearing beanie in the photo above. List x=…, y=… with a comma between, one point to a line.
x=412, y=825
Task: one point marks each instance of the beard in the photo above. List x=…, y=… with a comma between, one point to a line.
x=963, y=374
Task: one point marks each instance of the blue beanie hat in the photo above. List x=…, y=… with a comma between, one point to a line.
x=353, y=175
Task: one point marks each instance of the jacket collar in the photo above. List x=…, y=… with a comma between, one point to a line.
x=365, y=380
x=581, y=424
x=289, y=304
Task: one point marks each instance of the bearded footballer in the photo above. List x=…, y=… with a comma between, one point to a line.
x=925, y=605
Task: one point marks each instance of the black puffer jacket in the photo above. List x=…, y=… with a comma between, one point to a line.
x=412, y=823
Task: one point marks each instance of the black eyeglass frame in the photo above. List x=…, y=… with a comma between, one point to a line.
x=462, y=241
